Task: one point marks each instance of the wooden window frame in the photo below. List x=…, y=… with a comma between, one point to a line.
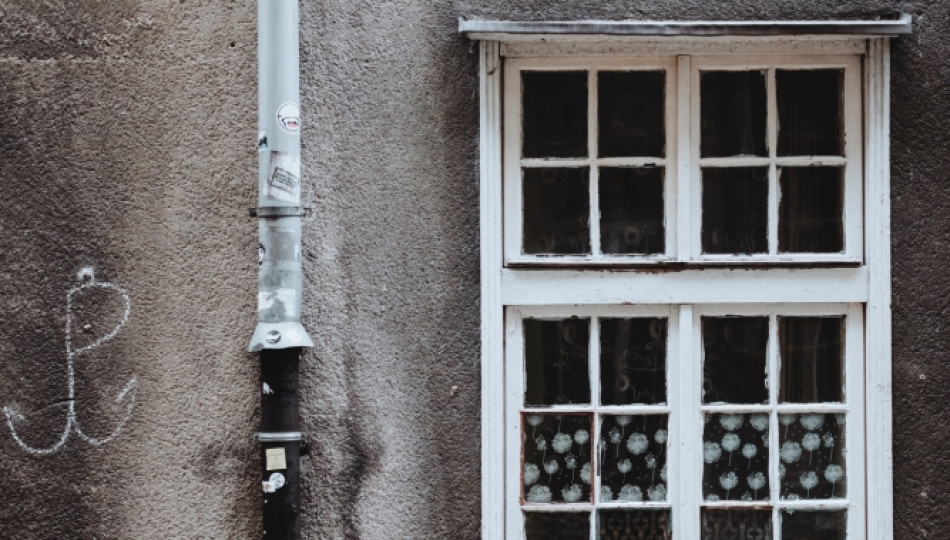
x=865, y=283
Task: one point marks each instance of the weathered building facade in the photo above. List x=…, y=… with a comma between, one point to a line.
x=127, y=299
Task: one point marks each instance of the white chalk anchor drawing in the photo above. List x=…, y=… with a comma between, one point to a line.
x=127, y=395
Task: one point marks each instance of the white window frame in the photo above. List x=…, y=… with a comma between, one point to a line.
x=684, y=349
x=682, y=163
x=866, y=283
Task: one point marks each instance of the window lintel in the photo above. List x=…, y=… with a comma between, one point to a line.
x=508, y=31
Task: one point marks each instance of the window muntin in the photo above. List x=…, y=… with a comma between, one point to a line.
x=736, y=460
x=772, y=174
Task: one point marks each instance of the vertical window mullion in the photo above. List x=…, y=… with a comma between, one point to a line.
x=687, y=133
x=514, y=400
x=855, y=435
x=774, y=370
x=690, y=424
x=772, y=134
x=594, y=370
x=593, y=152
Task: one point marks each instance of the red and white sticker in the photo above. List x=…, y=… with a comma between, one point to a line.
x=288, y=118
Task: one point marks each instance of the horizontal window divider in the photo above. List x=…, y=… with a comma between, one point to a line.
x=555, y=162
x=634, y=409
x=796, y=408
x=662, y=262
x=736, y=161
x=745, y=505
x=614, y=505
x=688, y=286
x=813, y=504
x=540, y=163
x=601, y=409
x=630, y=162
x=811, y=161
x=785, y=161
x=557, y=507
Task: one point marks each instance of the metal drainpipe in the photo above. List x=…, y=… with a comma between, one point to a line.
x=279, y=336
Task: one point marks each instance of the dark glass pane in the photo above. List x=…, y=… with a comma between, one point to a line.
x=812, y=354
x=736, y=524
x=736, y=457
x=555, y=113
x=811, y=456
x=631, y=210
x=632, y=361
x=810, y=120
x=556, y=361
x=733, y=113
x=634, y=525
x=556, y=450
x=734, y=360
x=633, y=453
x=811, y=211
x=814, y=525
x=556, y=211
x=630, y=113
x=557, y=525
x=735, y=210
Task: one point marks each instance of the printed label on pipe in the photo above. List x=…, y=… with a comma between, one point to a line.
x=283, y=180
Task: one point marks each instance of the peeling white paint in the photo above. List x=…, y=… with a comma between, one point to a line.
x=267, y=389
x=266, y=300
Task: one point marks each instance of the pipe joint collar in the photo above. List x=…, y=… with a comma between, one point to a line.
x=280, y=335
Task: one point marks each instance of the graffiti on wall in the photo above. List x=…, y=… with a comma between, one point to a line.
x=125, y=400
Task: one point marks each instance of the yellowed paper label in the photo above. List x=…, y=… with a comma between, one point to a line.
x=275, y=459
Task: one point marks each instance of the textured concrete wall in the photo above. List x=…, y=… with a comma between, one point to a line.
x=127, y=133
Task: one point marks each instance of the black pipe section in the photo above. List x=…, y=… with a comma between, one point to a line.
x=280, y=419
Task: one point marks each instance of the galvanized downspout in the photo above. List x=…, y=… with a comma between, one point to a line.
x=279, y=335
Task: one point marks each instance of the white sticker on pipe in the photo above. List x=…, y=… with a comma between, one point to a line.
x=275, y=482
x=283, y=179
x=288, y=117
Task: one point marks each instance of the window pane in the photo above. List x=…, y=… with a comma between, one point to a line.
x=736, y=457
x=631, y=210
x=811, y=212
x=734, y=359
x=562, y=525
x=557, y=458
x=811, y=525
x=555, y=113
x=556, y=361
x=810, y=112
x=736, y=524
x=630, y=113
x=812, y=359
x=556, y=211
x=735, y=210
x=732, y=113
x=633, y=458
x=812, y=456
x=634, y=525
x=632, y=361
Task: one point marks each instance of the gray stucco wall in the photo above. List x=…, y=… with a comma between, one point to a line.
x=127, y=133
